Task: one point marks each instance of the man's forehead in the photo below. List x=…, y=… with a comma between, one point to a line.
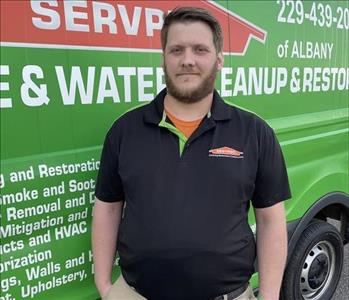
x=195, y=32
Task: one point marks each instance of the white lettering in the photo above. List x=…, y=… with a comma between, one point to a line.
x=127, y=73
x=70, y=230
x=150, y=24
x=317, y=80
x=78, y=186
x=341, y=81
x=71, y=15
x=240, y=82
x=23, y=195
x=108, y=20
x=326, y=79
x=130, y=29
x=5, y=86
x=160, y=85
x=281, y=79
x=14, y=213
x=142, y=84
x=76, y=81
x=2, y=181
x=255, y=81
x=334, y=72
x=271, y=88
x=54, y=18
x=225, y=82
x=29, y=85
x=307, y=79
x=42, y=271
x=311, y=50
x=107, y=77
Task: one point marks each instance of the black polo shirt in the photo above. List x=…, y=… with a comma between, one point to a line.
x=184, y=233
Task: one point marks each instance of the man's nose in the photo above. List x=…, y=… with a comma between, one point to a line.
x=188, y=59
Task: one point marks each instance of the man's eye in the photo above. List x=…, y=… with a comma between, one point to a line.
x=201, y=50
x=176, y=50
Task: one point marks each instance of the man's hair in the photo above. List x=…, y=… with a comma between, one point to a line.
x=192, y=14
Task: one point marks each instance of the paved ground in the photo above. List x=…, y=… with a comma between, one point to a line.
x=342, y=292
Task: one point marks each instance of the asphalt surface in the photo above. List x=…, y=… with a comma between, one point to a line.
x=342, y=292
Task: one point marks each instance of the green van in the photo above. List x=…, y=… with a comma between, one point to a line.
x=69, y=68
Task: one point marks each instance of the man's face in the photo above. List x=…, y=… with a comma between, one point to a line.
x=190, y=61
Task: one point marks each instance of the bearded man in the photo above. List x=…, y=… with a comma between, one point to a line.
x=176, y=180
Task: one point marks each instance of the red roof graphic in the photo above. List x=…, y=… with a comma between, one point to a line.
x=112, y=24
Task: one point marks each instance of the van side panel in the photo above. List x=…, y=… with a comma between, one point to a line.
x=70, y=68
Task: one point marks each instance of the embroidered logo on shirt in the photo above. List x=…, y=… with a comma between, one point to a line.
x=225, y=152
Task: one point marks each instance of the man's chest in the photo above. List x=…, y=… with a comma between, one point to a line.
x=216, y=159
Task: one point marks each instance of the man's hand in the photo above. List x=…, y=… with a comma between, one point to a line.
x=271, y=249
x=105, y=226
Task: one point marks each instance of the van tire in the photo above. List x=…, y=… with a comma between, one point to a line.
x=315, y=265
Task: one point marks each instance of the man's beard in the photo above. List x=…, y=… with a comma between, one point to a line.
x=192, y=95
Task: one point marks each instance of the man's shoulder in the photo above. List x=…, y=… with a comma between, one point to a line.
x=132, y=118
x=133, y=114
x=247, y=116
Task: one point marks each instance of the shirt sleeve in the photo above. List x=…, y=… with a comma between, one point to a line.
x=109, y=184
x=271, y=184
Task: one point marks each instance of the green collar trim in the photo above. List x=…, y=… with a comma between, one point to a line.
x=181, y=137
x=209, y=114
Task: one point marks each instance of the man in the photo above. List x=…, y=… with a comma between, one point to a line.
x=176, y=180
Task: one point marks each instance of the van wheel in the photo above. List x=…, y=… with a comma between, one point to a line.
x=315, y=265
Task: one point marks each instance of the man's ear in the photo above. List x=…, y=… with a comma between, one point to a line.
x=162, y=60
x=220, y=61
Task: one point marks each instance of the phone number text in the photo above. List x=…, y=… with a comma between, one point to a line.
x=320, y=14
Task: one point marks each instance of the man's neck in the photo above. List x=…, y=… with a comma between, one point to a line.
x=188, y=111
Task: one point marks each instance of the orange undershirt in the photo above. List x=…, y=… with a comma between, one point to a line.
x=186, y=127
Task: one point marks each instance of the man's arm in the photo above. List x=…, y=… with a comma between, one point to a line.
x=271, y=249
x=105, y=226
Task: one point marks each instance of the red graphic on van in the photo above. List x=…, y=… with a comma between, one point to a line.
x=112, y=24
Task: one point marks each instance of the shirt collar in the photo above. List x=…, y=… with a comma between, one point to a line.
x=154, y=113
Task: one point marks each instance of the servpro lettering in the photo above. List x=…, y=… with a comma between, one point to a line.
x=105, y=17
x=136, y=24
